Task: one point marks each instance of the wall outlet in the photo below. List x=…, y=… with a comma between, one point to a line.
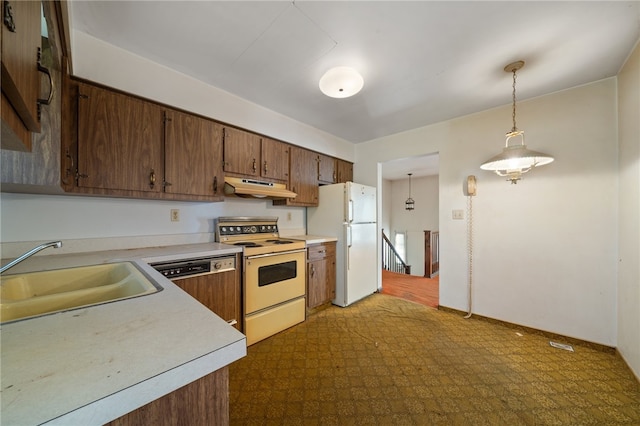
x=457, y=214
x=175, y=215
x=289, y=216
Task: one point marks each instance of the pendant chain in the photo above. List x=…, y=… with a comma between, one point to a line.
x=515, y=129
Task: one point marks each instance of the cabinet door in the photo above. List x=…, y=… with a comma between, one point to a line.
x=119, y=141
x=317, y=283
x=326, y=169
x=303, y=179
x=15, y=136
x=330, y=272
x=241, y=152
x=193, y=155
x=20, y=79
x=321, y=274
x=219, y=292
x=345, y=171
x=275, y=160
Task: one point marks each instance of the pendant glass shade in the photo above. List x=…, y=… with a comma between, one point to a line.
x=515, y=160
x=409, y=204
x=341, y=82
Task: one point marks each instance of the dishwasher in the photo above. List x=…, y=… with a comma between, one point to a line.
x=213, y=281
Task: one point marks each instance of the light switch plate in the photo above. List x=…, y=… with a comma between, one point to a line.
x=457, y=214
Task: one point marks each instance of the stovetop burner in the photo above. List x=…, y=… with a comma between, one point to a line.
x=280, y=241
x=247, y=244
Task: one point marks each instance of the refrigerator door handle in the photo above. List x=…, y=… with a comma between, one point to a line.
x=349, y=243
x=350, y=212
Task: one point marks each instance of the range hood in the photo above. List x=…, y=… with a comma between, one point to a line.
x=243, y=187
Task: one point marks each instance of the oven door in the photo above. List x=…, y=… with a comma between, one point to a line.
x=271, y=279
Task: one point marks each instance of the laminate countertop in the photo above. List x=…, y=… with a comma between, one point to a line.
x=313, y=239
x=92, y=365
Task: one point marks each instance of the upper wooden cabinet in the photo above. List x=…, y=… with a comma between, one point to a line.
x=344, y=170
x=193, y=155
x=303, y=178
x=275, y=160
x=326, y=169
x=241, y=152
x=119, y=145
x=250, y=155
x=21, y=45
x=114, y=144
x=119, y=141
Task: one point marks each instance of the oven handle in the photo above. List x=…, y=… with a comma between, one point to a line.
x=258, y=256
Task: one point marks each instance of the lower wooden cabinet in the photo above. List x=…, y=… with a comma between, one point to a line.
x=321, y=274
x=203, y=402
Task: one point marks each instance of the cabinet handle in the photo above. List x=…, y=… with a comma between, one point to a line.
x=215, y=184
x=69, y=171
x=165, y=184
x=322, y=251
x=254, y=165
x=265, y=167
x=41, y=101
x=8, y=17
x=152, y=179
x=313, y=271
x=80, y=175
x=232, y=322
x=46, y=71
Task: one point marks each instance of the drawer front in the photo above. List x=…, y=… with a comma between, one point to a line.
x=321, y=251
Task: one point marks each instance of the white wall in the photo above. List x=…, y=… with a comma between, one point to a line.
x=629, y=264
x=545, y=249
x=424, y=191
x=93, y=223
x=385, y=209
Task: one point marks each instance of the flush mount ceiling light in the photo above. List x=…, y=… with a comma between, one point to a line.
x=409, y=204
x=341, y=82
x=515, y=160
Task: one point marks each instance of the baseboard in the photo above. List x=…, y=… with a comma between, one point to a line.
x=553, y=336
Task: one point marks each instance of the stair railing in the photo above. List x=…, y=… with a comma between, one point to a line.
x=391, y=260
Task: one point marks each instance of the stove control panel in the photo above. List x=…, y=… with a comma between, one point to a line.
x=227, y=230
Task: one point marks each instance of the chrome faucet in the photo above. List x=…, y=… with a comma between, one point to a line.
x=54, y=244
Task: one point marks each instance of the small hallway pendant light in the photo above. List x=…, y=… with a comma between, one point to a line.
x=409, y=204
x=341, y=82
x=515, y=160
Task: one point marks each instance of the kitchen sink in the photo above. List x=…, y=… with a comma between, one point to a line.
x=37, y=293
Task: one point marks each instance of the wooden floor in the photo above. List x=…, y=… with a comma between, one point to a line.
x=410, y=287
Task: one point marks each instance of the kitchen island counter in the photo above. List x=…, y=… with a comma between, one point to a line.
x=92, y=365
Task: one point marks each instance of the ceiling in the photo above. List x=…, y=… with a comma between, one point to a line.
x=422, y=61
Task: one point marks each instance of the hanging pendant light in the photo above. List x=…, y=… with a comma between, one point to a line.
x=409, y=204
x=515, y=160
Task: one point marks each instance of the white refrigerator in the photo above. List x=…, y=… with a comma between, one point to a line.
x=347, y=211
